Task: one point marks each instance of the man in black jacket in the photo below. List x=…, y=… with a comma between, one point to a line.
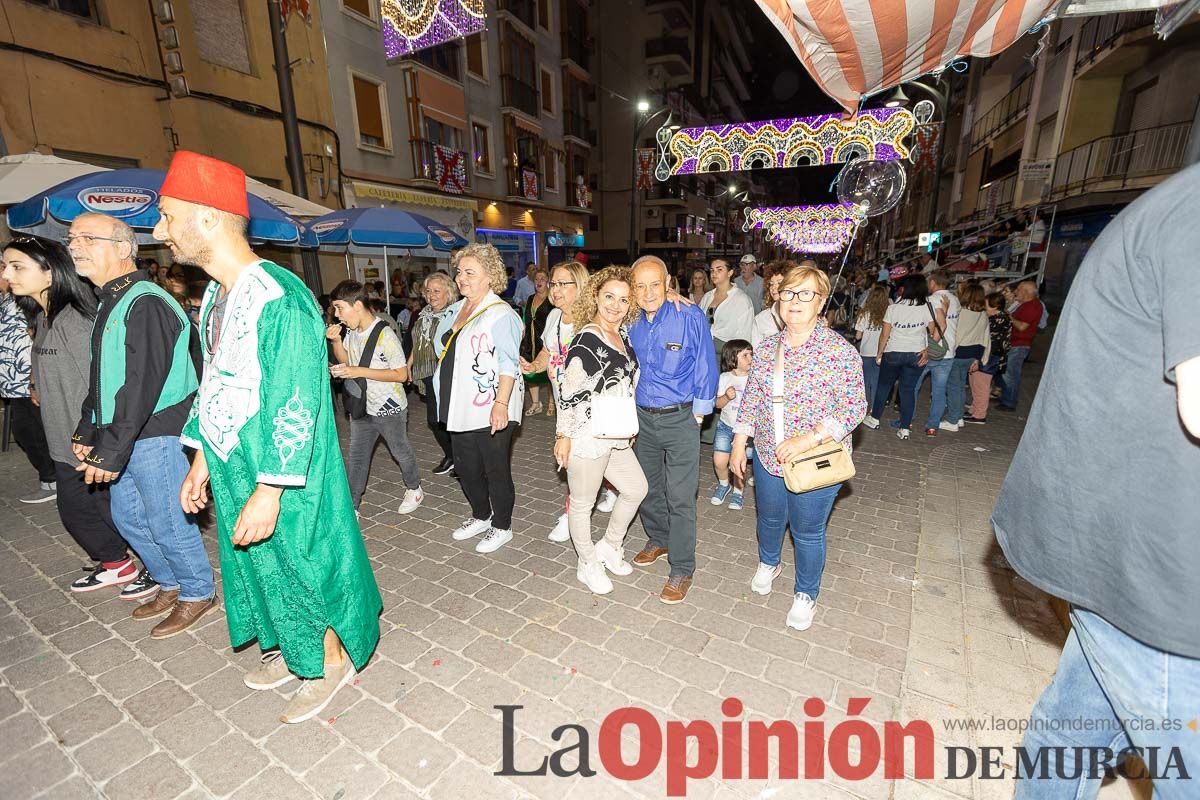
x=143, y=381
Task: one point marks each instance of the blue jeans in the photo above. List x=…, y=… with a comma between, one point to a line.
x=806, y=514
x=870, y=377
x=939, y=375
x=902, y=366
x=1012, y=376
x=1121, y=691
x=146, y=510
x=956, y=388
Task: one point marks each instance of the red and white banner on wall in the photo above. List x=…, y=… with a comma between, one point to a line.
x=645, y=167
x=450, y=169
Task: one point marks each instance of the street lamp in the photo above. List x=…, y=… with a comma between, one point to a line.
x=640, y=120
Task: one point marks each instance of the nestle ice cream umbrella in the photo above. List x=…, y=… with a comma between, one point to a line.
x=368, y=229
x=132, y=195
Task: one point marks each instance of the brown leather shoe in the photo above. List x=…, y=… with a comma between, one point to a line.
x=185, y=615
x=676, y=589
x=650, y=553
x=161, y=604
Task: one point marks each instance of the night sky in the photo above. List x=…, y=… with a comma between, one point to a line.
x=781, y=87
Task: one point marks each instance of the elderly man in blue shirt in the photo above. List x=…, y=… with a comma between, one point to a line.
x=676, y=390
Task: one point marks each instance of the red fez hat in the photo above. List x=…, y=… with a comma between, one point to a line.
x=207, y=182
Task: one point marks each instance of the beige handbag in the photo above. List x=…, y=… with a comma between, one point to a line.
x=826, y=464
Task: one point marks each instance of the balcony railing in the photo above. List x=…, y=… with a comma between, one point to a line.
x=575, y=48
x=669, y=46
x=577, y=125
x=1098, y=33
x=999, y=116
x=1113, y=162
x=444, y=59
x=521, y=9
x=448, y=167
x=520, y=95
x=670, y=190
x=1005, y=189
x=525, y=183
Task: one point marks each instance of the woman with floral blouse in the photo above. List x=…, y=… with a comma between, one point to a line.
x=823, y=400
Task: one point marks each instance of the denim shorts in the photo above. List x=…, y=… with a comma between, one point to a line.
x=723, y=440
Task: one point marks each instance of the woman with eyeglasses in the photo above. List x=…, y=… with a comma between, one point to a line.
x=440, y=292
x=567, y=279
x=822, y=400
x=42, y=276
x=534, y=313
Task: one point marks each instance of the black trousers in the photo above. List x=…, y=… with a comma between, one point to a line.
x=439, y=430
x=27, y=430
x=484, y=466
x=85, y=514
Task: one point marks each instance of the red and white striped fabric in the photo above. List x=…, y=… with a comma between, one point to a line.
x=858, y=47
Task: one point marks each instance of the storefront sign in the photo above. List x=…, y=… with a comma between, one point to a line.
x=555, y=239
x=395, y=194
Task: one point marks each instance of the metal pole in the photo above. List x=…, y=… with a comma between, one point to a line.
x=291, y=132
x=633, y=237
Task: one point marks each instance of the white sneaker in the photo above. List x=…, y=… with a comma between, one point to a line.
x=949, y=426
x=612, y=559
x=766, y=574
x=870, y=422
x=560, y=532
x=592, y=575
x=412, y=499
x=902, y=433
x=801, y=615
x=471, y=527
x=495, y=539
x=608, y=499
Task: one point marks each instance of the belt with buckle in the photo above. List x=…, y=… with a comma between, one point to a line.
x=665, y=409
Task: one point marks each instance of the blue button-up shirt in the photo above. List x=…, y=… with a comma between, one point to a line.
x=675, y=353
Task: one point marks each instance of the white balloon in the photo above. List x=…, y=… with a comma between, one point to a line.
x=872, y=187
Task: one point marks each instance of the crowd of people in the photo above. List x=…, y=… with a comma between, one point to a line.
x=148, y=404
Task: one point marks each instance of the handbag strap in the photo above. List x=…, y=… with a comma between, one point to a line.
x=777, y=393
x=471, y=319
x=933, y=317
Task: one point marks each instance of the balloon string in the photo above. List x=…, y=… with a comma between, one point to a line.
x=845, y=255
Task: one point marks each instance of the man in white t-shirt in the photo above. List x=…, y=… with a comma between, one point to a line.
x=946, y=309
x=378, y=404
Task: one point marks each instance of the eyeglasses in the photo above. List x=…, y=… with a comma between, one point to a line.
x=561, y=284
x=88, y=239
x=803, y=295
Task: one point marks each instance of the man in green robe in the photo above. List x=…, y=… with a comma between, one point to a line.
x=293, y=565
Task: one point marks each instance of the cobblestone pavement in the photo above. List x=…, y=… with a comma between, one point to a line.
x=917, y=611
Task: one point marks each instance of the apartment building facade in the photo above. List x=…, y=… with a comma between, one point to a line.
x=1080, y=119
x=490, y=135
x=126, y=84
x=688, y=60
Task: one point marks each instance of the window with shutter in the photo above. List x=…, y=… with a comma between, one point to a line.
x=368, y=111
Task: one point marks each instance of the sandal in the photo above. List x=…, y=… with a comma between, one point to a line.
x=535, y=409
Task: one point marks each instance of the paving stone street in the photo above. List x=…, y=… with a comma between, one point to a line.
x=918, y=611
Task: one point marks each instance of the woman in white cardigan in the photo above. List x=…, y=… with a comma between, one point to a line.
x=480, y=393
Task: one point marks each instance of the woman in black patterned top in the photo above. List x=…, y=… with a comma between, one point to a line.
x=600, y=362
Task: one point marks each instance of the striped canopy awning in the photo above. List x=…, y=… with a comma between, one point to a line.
x=854, y=48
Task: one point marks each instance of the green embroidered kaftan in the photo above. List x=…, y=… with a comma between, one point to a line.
x=264, y=414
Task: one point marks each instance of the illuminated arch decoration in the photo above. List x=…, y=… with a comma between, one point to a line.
x=877, y=133
x=771, y=216
x=412, y=25
x=802, y=242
